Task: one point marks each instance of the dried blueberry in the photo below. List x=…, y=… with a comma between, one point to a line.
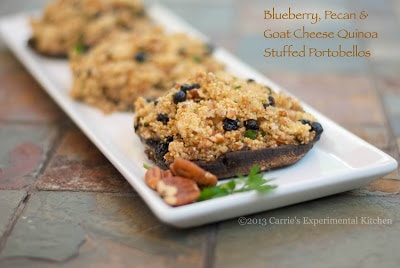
x=163, y=118
x=141, y=56
x=269, y=89
x=150, y=100
x=270, y=102
x=161, y=149
x=317, y=127
x=186, y=87
x=251, y=124
x=179, y=96
x=230, y=124
x=196, y=85
x=305, y=122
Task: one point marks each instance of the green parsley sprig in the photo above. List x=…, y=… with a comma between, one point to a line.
x=79, y=49
x=253, y=182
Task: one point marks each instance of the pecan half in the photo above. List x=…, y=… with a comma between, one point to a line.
x=188, y=169
x=178, y=191
x=154, y=175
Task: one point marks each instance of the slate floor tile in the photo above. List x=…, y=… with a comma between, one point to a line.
x=99, y=229
x=21, y=97
x=376, y=135
x=389, y=85
x=391, y=186
x=345, y=99
x=78, y=165
x=392, y=105
x=369, y=241
x=219, y=18
x=9, y=201
x=24, y=148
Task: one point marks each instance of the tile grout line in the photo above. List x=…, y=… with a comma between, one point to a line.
x=61, y=127
x=13, y=221
x=210, y=246
x=31, y=189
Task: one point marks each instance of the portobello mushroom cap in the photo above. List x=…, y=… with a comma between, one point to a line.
x=229, y=164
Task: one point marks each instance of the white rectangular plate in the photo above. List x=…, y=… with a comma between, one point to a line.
x=340, y=161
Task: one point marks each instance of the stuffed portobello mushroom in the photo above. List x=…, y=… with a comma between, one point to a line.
x=225, y=125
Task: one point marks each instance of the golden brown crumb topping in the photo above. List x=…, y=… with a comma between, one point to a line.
x=67, y=23
x=210, y=115
x=128, y=65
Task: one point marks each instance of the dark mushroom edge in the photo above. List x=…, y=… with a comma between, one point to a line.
x=231, y=163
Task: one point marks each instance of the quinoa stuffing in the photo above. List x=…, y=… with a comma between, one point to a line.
x=128, y=65
x=209, y=115
x=69, y=24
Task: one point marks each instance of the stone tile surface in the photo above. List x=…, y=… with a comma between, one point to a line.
x=78, y=165
x=18, y=87
x=9, y=201
x=49, y=227
x=303, y=244
x=391, y=186
x=8, y=7
x=24, y=149
x=335, y=95
x=392, y=103
x=386, y=68
x=388, y=84
x=378, y=135
x=208, y=20
x=104, y=229
x=394, y=175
